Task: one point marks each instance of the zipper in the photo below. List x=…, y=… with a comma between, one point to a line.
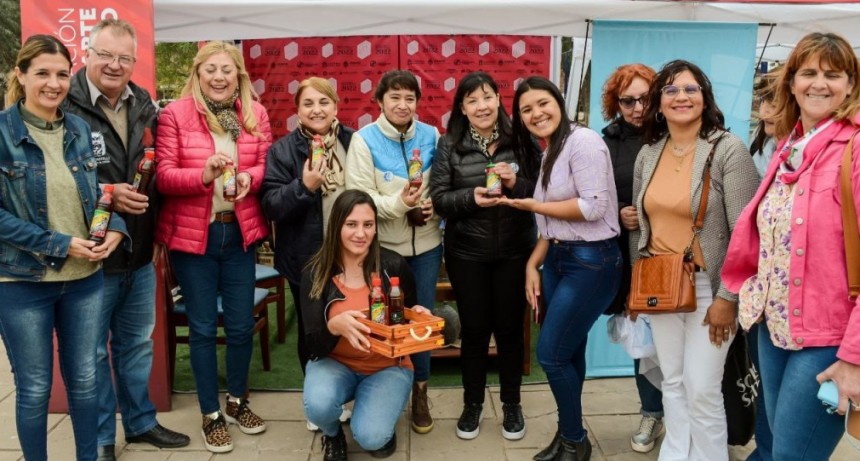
x=406, y=163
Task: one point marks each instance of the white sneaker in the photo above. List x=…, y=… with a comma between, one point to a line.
x=650, y=429
x=345, y=414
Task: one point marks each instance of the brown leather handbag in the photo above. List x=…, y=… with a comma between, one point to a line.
x=666, y=284
x=849, y=225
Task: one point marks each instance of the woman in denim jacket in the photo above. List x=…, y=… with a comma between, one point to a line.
x=50, y=273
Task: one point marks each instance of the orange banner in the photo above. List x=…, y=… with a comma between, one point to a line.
x=72, y=21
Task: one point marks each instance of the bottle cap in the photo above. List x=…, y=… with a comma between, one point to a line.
x=108, y=189
x=395, y=280
x=149, y=153
x=416, y=152
x=376, y=281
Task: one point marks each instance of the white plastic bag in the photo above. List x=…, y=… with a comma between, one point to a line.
x=634, y=336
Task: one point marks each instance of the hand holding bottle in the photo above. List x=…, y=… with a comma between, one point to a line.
x=214, y=167
x=312, y=177
x=243, y=185
x=126, y=200
x=106, y=248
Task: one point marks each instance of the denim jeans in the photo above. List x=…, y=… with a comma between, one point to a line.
x=379, y=400
x=650, y=397
x=226, y=269
x=763, y=436
x=579, y=281
x=301, y=346
x=425, y=269
x=802, y=428
x=29, y=314
x=128, y=314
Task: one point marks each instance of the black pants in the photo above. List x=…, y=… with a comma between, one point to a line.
x=490, y=300
x=295, y=290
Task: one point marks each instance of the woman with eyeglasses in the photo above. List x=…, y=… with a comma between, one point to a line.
x=682, y=123
x=624, y=96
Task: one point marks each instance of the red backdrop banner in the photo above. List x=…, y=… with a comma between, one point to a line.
x=355, y=64
x=72, y=21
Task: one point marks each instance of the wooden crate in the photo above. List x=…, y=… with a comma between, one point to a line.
x=423, y=333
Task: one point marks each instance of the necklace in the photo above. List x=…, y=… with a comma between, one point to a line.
x=680, y=151
x=680, y=160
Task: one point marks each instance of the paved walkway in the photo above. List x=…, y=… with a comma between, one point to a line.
x=610, y=407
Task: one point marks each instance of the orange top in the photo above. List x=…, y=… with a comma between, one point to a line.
x=667, y=205
x=365, y=363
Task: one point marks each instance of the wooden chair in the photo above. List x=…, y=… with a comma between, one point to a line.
x=268, y=278
x=176, y=317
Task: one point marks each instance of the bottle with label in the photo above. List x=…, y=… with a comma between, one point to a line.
x=377, y=301
x=395, y=303
x=229, y=179
x=317, y=151
x=416, y=166
x=101, y=216
x=145, y=172
x=494, y=181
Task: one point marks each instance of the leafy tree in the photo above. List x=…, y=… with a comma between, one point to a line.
x=172, y=64
x=10, y=37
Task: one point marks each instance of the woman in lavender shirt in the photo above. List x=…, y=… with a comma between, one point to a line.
x=576, y=209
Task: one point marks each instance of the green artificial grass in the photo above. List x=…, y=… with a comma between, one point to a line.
x=286, y=375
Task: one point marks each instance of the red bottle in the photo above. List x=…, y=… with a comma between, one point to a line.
x=416, y=166
x=494, y=181
x=229, y=179
x=101, y=216
x=395, y=303
x=377, y=301
x=145, y=172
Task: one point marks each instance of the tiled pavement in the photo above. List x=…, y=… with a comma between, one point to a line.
x=610, y=408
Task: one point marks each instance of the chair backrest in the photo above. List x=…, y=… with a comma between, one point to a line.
x=165, y=281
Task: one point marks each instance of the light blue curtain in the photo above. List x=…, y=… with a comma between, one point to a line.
x=724, y=51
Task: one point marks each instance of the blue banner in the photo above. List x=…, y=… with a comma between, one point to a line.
x=724, y=51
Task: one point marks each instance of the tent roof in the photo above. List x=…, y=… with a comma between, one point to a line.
x=192, y=20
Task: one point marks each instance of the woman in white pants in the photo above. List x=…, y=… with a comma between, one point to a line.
x=681, y=125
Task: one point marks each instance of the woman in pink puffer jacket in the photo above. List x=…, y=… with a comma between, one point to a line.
x=211, y=238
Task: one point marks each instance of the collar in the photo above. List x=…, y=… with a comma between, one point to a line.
x=391, y=132
x=95, y=94
x=39, y=122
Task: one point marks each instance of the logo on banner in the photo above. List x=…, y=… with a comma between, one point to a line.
x=99, y=148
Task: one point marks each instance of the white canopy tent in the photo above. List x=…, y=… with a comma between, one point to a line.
x=192, y=20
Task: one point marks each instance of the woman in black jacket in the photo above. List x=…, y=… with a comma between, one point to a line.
x=624, y=102
x=297, y=197
x=335, y=289
x=486, y=246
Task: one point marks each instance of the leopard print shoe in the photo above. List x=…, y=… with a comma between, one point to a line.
x=238, y=413
x=215, y=435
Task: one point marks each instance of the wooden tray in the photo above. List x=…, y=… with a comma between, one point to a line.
x=423, y=333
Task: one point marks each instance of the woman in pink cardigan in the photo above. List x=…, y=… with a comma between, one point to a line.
x=786, y=258
x=214, y=127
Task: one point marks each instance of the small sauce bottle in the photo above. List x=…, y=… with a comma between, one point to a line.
x=101, y=216
x=229, y=179
x=494, y=181
x=416, y=166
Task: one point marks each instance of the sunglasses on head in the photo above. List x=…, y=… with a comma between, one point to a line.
x=672, y=90
x=629, y=102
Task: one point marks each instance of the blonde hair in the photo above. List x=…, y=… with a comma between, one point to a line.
x=34, y=47
x=830, y=49
x=246, y=91
x=320, y=84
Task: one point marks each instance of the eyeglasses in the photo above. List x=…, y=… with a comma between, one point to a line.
x=104, y=56
x=629, y=102
x=673, y=91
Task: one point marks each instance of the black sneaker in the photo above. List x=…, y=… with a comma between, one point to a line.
x=469, y=425
x=513, y=426
x=387, y=449
x=334, y=448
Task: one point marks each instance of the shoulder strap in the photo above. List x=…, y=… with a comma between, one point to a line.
x=849, y=221
x=703, y=201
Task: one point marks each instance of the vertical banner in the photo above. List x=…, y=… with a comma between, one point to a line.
x=72, y=21
x=724, y=51
x=352, y=64
x=440, y=61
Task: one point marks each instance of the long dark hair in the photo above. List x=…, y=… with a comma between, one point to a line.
x=458, y=123
x=764, y=91
x=524, y=141
x=712, y=118
x=328, y=260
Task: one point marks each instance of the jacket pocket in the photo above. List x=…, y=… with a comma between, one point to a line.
x=13, y=190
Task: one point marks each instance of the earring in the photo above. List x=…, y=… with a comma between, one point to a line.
x=659, y=117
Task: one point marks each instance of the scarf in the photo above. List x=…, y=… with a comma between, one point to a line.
x=334, y=175
x=793, y=156
x=225, y=112
x=483, y=142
